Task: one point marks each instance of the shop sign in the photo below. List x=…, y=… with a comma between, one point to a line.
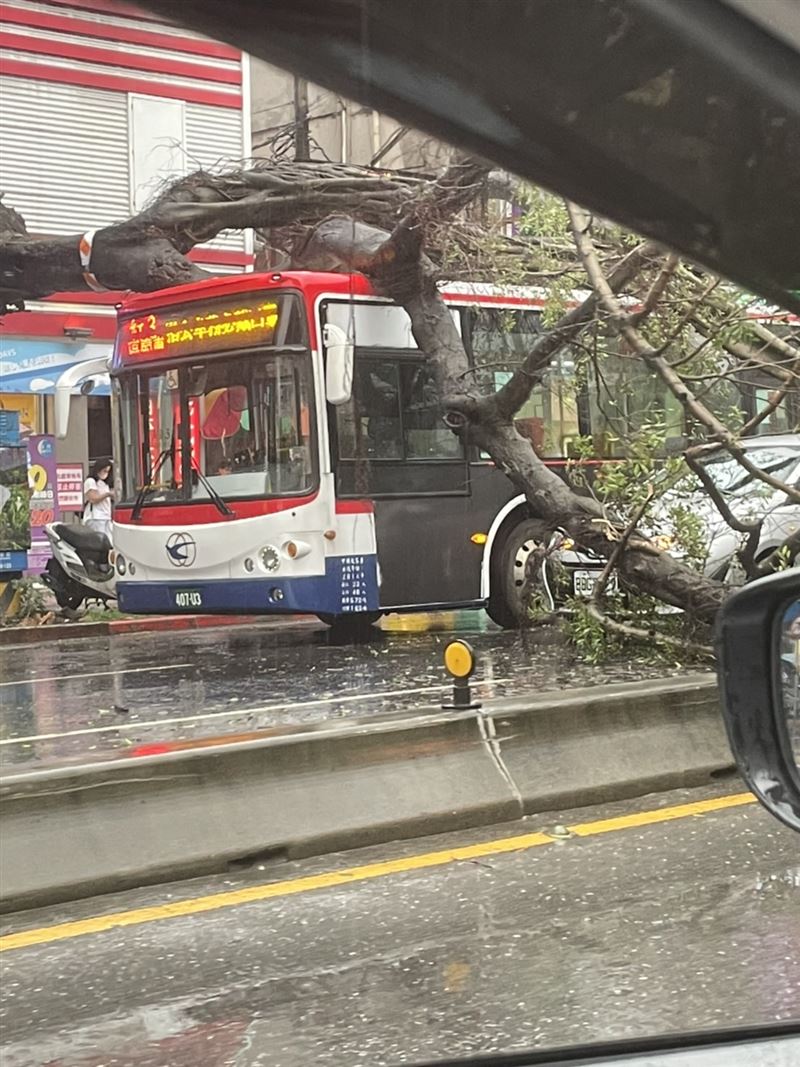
x=42, y=483
x=69, y=487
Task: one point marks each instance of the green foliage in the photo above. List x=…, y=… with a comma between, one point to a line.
x=644, y=471
x=634, y=418
x=593, y=643
x=32, y=598
x=665, y=487
x=103, y=613
x=559, y=294
x=544, y=218
x=15, y=513
x=544, y=215
x=687, y=535
x=783, y=559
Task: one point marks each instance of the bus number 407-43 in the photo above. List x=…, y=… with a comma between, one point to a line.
x=188, y=598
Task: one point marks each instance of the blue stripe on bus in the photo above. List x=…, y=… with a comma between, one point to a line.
x=350, y=584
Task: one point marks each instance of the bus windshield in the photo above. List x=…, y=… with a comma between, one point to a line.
x=238, y=426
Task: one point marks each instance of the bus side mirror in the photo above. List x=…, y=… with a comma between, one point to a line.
x=339, y=352
x=758, y=662
x=73, y=376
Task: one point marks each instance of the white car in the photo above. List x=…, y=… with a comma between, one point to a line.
x=748, y=499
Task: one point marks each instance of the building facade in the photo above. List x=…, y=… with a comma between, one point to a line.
x=100, y=104
x=337, y=129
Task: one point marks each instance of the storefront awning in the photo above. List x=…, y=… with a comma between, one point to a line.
x=35, y=366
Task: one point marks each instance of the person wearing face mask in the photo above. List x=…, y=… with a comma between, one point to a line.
x=97, y=495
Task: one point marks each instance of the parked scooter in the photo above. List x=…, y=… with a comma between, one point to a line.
x=80, y=568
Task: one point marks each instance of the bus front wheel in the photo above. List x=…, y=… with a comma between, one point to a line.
x=351, y=629
x=507, y=574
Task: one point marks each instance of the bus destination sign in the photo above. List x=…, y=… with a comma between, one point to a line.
x=198, y=328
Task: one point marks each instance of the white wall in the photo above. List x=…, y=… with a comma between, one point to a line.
x=63, y=154
x=73, y=158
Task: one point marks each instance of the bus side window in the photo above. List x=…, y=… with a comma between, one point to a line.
x=370, y=427
x=394, y=414
x=424, y=434
x=391, y=438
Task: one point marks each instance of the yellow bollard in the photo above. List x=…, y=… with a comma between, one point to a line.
x=459, y=662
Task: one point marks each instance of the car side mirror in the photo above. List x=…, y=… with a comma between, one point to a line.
x=339, y=354
x=758, y=656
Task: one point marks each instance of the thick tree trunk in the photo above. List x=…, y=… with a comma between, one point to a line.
x=479, y=420
x=122, y=258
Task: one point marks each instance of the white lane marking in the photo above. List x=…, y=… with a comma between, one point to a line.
x=130, y=724
x=96, y=674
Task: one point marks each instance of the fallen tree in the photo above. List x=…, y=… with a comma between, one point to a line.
x=405, y=234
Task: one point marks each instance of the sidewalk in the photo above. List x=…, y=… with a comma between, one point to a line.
x=34, y=635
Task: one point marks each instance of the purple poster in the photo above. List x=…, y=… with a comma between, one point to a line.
x=42, y=482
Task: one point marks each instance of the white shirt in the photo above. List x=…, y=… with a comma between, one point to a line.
x=101, y=511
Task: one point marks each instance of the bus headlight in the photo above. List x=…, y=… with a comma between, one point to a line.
x=296, y=549
x=122, y=566
x=270, y=559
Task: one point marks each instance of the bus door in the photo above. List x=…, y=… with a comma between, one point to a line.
x=391, y=447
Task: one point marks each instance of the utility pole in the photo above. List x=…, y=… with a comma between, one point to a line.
x=302, y=144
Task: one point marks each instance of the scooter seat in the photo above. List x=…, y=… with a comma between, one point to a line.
x=84, y=539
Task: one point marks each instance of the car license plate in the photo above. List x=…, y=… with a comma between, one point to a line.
x=187, y=598
x=585, y=581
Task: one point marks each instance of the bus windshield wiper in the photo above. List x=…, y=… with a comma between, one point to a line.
x=150, y=485
x=222, y=507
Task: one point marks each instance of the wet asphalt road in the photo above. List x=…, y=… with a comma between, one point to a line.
x=679, y=925
x=86, y=699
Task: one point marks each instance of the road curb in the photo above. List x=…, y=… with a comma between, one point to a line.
x=14, y=636
x=33, y=635
x=73, y=832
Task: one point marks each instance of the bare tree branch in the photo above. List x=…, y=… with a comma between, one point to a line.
x=784, y=556
x=656, y=290
x=581, y=222
x=747, y=353
x=510, y=398
x=399, y=232
x=752, y=529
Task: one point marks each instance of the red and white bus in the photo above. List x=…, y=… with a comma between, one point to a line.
x=279, y=449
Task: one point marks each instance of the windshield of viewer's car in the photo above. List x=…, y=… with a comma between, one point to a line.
x=357, y=694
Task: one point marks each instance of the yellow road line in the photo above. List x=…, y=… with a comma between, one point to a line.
x=196, y=905
x=648, y=818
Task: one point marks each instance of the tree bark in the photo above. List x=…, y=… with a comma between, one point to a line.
x=284, y=200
